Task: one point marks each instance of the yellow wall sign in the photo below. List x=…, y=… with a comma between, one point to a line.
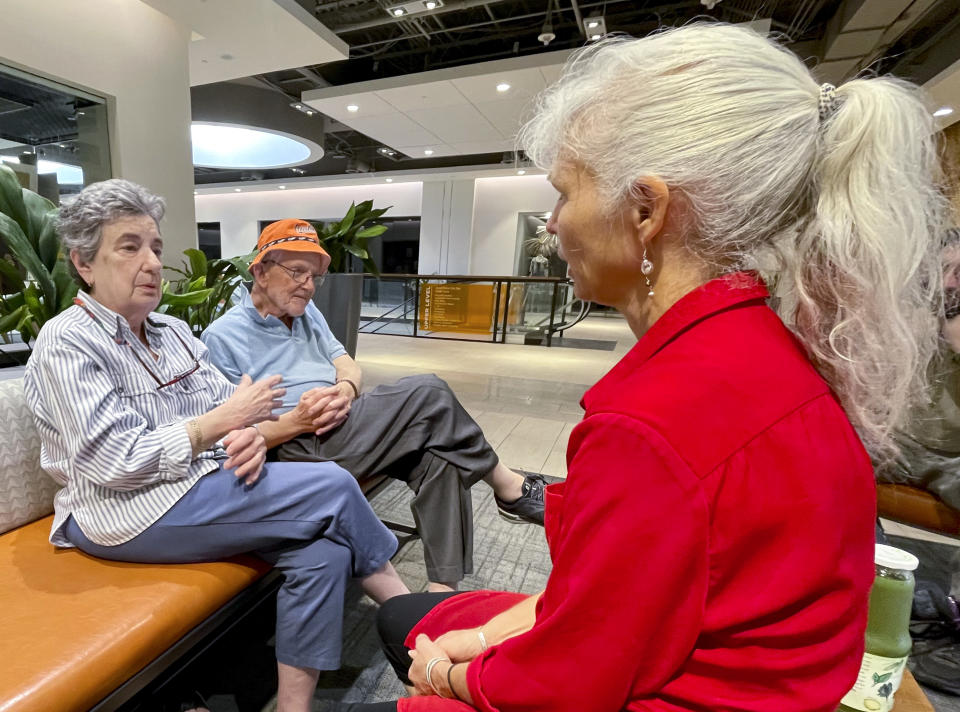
x=462, y=308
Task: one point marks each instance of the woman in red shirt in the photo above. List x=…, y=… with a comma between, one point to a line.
x=712, y=545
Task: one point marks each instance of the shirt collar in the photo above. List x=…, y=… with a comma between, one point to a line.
x=717, y=295
x=246, y=301
x=116, y=324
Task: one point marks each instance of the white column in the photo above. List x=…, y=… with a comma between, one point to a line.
x=446, y=227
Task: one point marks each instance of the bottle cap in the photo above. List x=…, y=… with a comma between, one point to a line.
x=892, y=558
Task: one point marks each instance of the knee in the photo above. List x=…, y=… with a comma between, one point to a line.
x=393, y=621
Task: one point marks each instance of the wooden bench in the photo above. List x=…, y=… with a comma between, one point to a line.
x=81, y=633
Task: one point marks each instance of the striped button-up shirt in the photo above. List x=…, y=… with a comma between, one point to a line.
x=117, y=444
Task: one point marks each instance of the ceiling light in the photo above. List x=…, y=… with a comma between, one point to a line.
x=281, y=187
x=430, y=4
x=386, y=151
x=389, y=180
x=596, y=27
x=502, y=87
x=521, y=172
x=238, y=190
x=398, y=12
x=353, y=108
x=227, y=146
x=298, y=106
x=428, y=152
x=308, y=112
x=943, y=111
x=298, y=171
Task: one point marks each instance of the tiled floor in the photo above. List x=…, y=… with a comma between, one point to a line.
x=526, y=398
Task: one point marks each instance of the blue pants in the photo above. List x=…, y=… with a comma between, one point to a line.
x=310, y=520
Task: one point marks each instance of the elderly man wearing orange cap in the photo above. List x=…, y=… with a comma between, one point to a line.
x=414, y=430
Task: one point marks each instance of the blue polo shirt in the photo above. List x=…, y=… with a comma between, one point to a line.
x=242, y=341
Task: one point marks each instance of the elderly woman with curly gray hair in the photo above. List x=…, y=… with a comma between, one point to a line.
x=159, y=457
x=713, y=542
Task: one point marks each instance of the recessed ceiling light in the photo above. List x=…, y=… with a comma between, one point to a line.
x=593, y=24
x=389, y=180
x=309, y=113
x=943, y=111
x=398, y=12
x=502, y=87
x=428, y=152
x=430, y=4
x=228, y=146
x=521, y=172
x=298, y=106
x=238, y=190
x=281, y=187
x=596, y=36
x=353, y=108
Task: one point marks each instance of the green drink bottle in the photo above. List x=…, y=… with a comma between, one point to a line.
x=888, y=633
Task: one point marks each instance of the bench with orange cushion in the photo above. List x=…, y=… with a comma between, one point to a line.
x=917, y=507
x=81, y=633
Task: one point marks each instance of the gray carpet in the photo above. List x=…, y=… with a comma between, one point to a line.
x=507, y=556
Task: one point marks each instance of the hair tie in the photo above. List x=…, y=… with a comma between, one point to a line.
x=829, y=102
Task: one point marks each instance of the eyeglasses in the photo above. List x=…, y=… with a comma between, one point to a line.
x=123, y=342
x=300, y=276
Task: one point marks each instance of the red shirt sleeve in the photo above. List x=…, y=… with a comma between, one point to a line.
x=624, y=603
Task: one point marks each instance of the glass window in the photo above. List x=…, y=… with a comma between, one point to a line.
x=54, y=137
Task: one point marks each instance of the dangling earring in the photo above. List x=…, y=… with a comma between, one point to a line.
x=646, y=267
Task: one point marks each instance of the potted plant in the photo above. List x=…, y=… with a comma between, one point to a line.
x=35, y=284
x=339, y=297
x=205, y=289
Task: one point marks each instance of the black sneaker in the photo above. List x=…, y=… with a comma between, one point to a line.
x=529, y=507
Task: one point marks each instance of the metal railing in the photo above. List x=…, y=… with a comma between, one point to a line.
x=470, y=307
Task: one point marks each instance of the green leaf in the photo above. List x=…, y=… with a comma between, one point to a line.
x=877, y=679
x=371, y=267
x=347, y=221
x=11, y=198
x=198, y=283
x=188, y=299
x=372, y=231
x=357, y=251
x=37, y=209
x=374, y=214
x=24, y=254
x=9, y=322
x=48, y=242
x=10, y=277
x=198, y=262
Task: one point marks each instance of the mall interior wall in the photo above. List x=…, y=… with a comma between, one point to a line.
x=135, y=57
x=468, y=226
x=239, y=214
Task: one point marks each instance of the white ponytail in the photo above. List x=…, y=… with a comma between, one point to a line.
x=844, y=212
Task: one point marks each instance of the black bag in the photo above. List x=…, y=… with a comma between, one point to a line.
x=935, y=629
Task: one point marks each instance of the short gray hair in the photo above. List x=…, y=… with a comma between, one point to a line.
x=80, y=223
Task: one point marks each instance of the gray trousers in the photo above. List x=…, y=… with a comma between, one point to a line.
x=310, y=520
x=414, y=430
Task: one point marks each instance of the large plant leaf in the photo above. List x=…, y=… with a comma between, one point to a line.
x=347, y=221
x=187, y=299
x=372, y=231
x=37, y=208
x=65, y=284
x=48, y=241
x=357, y=251
x=11, y=198
x=9, y=322
x=198, y=262
x=24, y=254
x=10, y=277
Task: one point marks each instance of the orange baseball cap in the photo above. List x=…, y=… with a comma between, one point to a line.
x=294, y=236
